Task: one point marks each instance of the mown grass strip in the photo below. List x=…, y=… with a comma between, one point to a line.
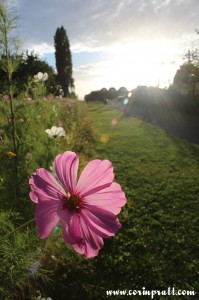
x=160, y=175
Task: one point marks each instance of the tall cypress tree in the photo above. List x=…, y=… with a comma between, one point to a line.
x=63, y=59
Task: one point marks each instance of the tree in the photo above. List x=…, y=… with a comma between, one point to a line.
x=186, y=78
x=112, y=93
x=104, y=93
x=122, y=91
x=30, y=64
x=63, y=59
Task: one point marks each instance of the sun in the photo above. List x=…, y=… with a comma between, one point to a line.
x=145, y=62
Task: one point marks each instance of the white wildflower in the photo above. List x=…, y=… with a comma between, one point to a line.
x=28, y=156
x=55, y=131
x=40, y=77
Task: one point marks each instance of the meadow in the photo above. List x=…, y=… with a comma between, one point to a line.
x=157, y=246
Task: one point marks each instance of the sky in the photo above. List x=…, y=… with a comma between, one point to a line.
x=114, y=43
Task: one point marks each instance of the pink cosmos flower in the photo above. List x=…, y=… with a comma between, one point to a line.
x=6, y=97
x=86, y=208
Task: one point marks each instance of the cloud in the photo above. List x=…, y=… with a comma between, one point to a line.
x=42, y=48
x=95, y=24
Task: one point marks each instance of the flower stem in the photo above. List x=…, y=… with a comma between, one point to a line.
x=48, y=154
x=14, y=139
x=10, y=233
x=13, y=122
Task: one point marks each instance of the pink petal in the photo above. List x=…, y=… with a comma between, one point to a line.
x=45, y=187
x=46, y=217
x=92, y=241
x=83, y=240
x=33, y=197
x=110, y=198
x=98, y=225
x=66, y=166
x=91, y=252
x=75, y=227
x=85, y=249
x=67, y=234
x=71, y=228
x=98, y=174
x=79, y=248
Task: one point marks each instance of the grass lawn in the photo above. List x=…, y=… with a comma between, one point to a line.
x=158, y=244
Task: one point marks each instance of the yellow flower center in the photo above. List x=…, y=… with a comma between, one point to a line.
x=73, y=202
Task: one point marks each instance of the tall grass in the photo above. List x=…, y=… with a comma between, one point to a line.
x=22, y=256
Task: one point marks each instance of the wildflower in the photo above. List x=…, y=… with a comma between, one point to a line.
x=86, y=209
x=28, y=156
x=104, y=138
x=39, y=297
x=6, y=97
x=60, y=123
x=40, y=77
x=21, y=120
x=55, y=131
x=9, y=120
x=114, y=122
x=10, y=153
x=34, y=268
x=1, y=135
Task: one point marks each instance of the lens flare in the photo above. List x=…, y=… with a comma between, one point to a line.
x=114, y=122
x=126, y=101
x=104, y=138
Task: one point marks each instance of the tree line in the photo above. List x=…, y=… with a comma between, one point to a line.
x=106, y=94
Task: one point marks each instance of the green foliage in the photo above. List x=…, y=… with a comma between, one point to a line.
x=17, y=68
x=9, y=41
x=22, y=255
x=28, y=65
x=186, y=79
x=20, y=265
x=104, y=94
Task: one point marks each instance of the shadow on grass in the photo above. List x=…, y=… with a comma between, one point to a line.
x=175, y=124
x=185, y=149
